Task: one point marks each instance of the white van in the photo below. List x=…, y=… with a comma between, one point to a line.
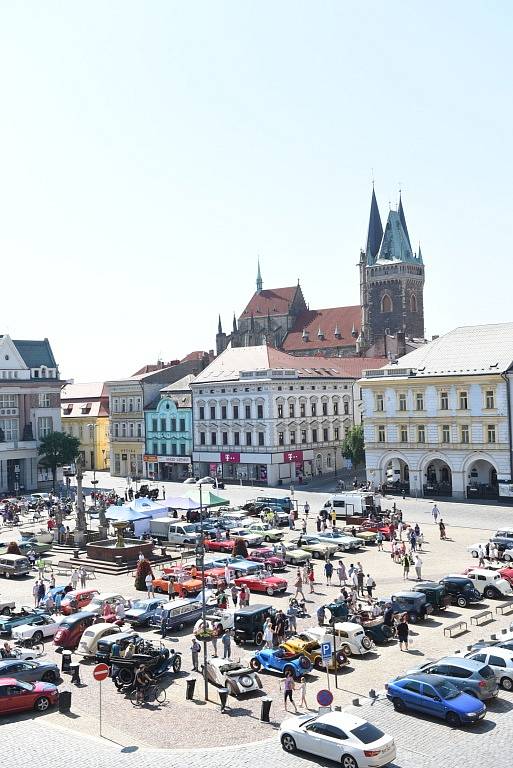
x=172, y=530
x=14, y=565
x=356, y=503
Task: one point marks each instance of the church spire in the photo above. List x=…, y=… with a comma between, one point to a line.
x=259, y=279
x=219, y=326
x=375, y=231
x=402, y=217
x=234, y=324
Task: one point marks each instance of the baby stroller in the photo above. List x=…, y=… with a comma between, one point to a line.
x=300, y=605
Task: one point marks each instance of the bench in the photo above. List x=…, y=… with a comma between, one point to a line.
x=503, y=608
x=459, y=627
x=485, y=615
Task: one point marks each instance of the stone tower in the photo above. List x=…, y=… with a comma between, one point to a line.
x=391, y=280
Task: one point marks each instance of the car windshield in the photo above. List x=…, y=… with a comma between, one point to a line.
x=367, y=733
x=447, y=691
x=25, y=686
x=139, y=603
x=468, y=587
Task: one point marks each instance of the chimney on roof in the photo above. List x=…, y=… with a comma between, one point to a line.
x=337, y=334
x=320, y=334
x=306, y=335
x=354, y=332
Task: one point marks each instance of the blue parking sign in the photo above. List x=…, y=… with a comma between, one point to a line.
x=326, y=651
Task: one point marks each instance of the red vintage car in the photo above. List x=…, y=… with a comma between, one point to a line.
x=507, y=573
x=16, y=696
x=269, y=560
x=221, y=545
x=268, y=584
x=374, y=527
x=76, y=600
x=70, y=630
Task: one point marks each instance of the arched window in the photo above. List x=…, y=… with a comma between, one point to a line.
x=386, y=303
x=413, y=303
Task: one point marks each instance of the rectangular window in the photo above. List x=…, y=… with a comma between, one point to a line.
x=346, y=407
x=213, y=438
x=381, y=433
x=123, y=430
x=261, y=438
x=225, y=438
x=223, y=411
x=247, y=411
x=44, y=426
x=325, y=409
x=303, y=435
x=314, y=409
x=155, y=449
x=131, y=429
x=336, y=433
x=163, y=425
x=44, y=400
x=302, y=409
x=419, y=401
x=335, y=408
x=116, y=429
x=248, y=438
x=173, y=449
x=235, y=411
x=446, y=433
x=117, y=463
x=402, y=402
x=292, y=438
x=379, y=403
x=490, y=431
x=465, y=434
x=236, y=439
x=314, y=435
x=463, y=401
x=173, y=425
x=139, y=429
x=421, y=433
x=404, y=434
x=202, y=413
x=260, y=411
x=292, y=410
x=9, y=429
x=202, y=438
x=280, y=411
x=154, y=425
x=182, y=449
x=280, y=438
x=212, y=411
x=490, y=399
x=325, y=435
x=444, y=401
x=163, y=449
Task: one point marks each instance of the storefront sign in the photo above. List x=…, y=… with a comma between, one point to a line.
x=293, y=457
x=173, y=460
x=147, y=457
x=505, y=489
x=230, y=458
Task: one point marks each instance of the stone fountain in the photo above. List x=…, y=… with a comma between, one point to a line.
x=120, y=548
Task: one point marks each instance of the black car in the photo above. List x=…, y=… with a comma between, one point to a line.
x=436, y=594
x=461, y=590
x=104, y=645
x=248, y=623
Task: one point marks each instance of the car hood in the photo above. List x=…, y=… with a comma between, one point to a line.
x=136, y=612
x=294, y=723
x=466, y=703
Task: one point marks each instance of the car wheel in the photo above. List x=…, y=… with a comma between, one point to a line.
x=159, y=590
x=269, y=568
x=398, y=704
x=126, y=676
x=490, y=592
x=255, y=665
x=288, y=743
x=461, y=602
x=304, y=662
x=270, y=591
x=412, y=618
x=507, y=557
x=177, y=664
x=245, y=680
x=318, y=664
x=318, y=555
x=507, y=683
x=49, y=677
x=474, y=553
x=367, y=643
x=8, y=576
x=6, y=611
x=348, y=761
x=259, y=638
x=346, y=650
x=37, y=637
x=267, y=539
x=453, y=719
x=289, y=668
x=42, y=704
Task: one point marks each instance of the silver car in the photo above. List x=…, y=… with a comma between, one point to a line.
x=30, y=671
x=468, y=675
x=500, y=660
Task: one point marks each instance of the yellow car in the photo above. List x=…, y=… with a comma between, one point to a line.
x=312, y=650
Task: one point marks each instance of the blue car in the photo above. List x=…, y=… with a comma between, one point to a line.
x=280, y=660
x=435, y=696
x=143, y=610
x=53, y=592
x=239, y=566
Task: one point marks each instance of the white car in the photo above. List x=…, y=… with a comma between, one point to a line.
x=99, y=602
x=267, y=531
x=214, y=616
x=251, y=538
x=507, y=555
x=41, y=628
x=88, y=644
x=233, y=675
x=489, y=583
x=6, y=605
x=500, y=660
x=351, y=638
x=348, y=740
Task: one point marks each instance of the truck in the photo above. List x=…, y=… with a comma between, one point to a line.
x=353, y=506
x=174, y=531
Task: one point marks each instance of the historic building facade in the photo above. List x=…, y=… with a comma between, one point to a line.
x=169, y=432
x=85, y=414
x=389, y=320
x=438, y=422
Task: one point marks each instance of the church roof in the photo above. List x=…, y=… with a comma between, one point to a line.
x=396, y=243
x=340, y=319
x=35, y=353
x=276, y=301
x=375, y=231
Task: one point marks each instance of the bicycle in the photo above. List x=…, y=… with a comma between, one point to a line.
x=150, y=693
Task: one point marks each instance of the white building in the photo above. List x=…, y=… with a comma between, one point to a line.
x=438, y=422
x=265, y=416
x=29, y=410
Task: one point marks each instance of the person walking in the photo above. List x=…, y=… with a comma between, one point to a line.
x=435, y=512
x=379, y=541
x=307, y=510
x=235, y=594
x=318, y=523
x=369, y=585
x=311, y=578
x=341, y=573
x=328, y=572
x=291, y=615
x=360, y=576
x=406, y=566
x=57, y=600
x=41, y=591
x=83, y=577
x=35, y=592
x=288, y=689
x=227, y=644
x=333, y=515
x=481, y=557
x=268, y=633
x=403, y=632
x=303, y=527
x=149, y=585
x=354, y=584
x=195, y=651
x=417, y=562
x=441, y=526
x=292, y=519
x=299, y=585
x=302, y=688
x=74, y=578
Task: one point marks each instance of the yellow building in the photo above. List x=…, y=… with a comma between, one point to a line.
x=85, y=414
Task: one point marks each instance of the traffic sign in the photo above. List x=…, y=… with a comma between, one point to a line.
x=100, y=672
x=324, y=698
x=326, y=651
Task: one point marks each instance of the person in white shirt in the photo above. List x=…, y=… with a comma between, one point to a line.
x=481, y=556
x=417, y=562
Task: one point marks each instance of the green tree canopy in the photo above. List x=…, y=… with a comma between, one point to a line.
x=58, y=449
x=353, y=446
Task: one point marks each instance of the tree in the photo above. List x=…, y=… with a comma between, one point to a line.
x=143, y=569
x=353, y=446
x=56, y=450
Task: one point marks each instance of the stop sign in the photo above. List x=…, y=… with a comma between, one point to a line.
x=100, y=672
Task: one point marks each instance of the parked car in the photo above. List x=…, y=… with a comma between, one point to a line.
x=461, y=590
x=6, y=606
x=25, y=615
x=284, y=502
x=30, y=671
x=507, y=573
x=295, y=555
x=220, y=545
x=178, y=613
x=105, y=643
x=504, y=540
x=312, y=650
x=182, y=588
x=250, y=537
x=470, y=676
x=249, y=623
x=143, y=610
x=14, y=565
x=262, y=583
x=70, y=630
x=233, y=675
x=436, y=594
x=239, y=566
x=344, y=542
x=339, y=736
x=88, y=644
x=16, y=696
x=500, y=659
x=267, y=532
x=280, y=660
x=77, y=599
x=351, y=638
x=412, y=603
x=41, y=627
x=489, y=583
x=215, y=615
x=505, y=640
x=266, y=557
x=374, y=526
x=315, y=546
x=100, y=600
x=436, y=696
x=159, y=660
x=52, y=593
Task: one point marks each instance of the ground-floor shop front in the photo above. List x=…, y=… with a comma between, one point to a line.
x=272, y=469
x=172, y=469
x=21, y=473
x=126, y=459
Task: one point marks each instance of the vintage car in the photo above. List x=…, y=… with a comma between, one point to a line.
x=344, y=542
x=266, y=557
x=250, y=538
x=52, y=593
x=249, y=623
x=436, y=594
x=159, y=660
x=15, y=619
x=143, y=610
x=414, y=604
x=507, y=573
x=88, y=644
x=182, y=588
x=30, y=671
x=123, y=639
x=233, y=675
x=77, y=599
x=351, y=638
x=6, y=606
x=312, y=650
x=21, y=696
x=70, y=630
x=374, y=526
x=315, y=546
x=220, y=545
x=461, y=590
x=267, y=532
x=215, y=615
x=489, y=583
x=368, y=537
x=239, y=566
x=262, y=583
x=41, y=627
x=282, y=661
x=293, y=554
x=103, y=599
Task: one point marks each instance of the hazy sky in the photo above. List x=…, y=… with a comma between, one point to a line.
x=150, y=151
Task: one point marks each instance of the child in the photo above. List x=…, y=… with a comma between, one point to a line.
x=302, y=684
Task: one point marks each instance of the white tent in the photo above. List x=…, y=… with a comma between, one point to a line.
x=150, y=508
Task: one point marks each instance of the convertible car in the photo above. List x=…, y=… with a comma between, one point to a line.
x=312, y=650
x=23, y=616
x=281, y=660
x=259, y=583
x=233, y=675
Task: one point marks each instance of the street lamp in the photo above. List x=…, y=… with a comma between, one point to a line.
x=201, y=552
x=94, y=481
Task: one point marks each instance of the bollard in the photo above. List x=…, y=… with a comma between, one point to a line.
x=190, y=683
x=338, y=708
x=223, y=698
x=493, y=637
x=355, y=702
x=373, y=694
x=75, y=674
x=64, y=701
x=265, y=709
x=66, y=661
x=76, y=554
